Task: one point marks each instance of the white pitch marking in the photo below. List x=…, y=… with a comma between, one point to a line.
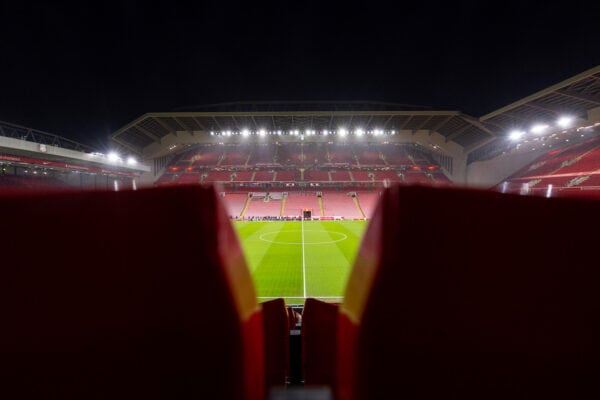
x=299, y=297
x=264, y=237
x=303, y=261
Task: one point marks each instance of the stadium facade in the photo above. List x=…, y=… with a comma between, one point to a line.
x=471, y=151
x=348, y=145
x=31, y=159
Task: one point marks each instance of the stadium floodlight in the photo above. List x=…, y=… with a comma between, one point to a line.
x=359, y=132
x=262, y=132
x=325, y=132
x=378, y=132
x=393, y=132
x=113, y=157
x=227, y=133
x=539, y=128
x=131, y=160
x=565, y=121
x=245, y=132
x=516, y=135
x=342, y=132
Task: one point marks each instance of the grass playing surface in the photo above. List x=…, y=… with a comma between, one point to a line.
x=300, y=259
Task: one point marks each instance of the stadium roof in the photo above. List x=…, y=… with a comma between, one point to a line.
x=574, y=96
x=14, y=131
x=24, y=145
x=286, y=116
x=270, y=106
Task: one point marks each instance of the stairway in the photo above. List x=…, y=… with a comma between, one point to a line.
x=282, y=210
x=221, y=158
x=357, y=204
x=246, y=205
x=321, y=209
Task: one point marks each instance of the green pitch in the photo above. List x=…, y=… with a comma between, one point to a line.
x=300, y=259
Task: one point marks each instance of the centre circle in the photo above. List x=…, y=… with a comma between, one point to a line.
x=265, y=237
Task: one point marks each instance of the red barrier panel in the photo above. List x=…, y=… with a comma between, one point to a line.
x=319, y=322
x=277, y=333
x=468, y=294
x=126, y=294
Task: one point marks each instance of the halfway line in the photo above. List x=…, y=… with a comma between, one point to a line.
x=303, y=261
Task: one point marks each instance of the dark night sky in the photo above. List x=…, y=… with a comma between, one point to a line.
x=83, y=71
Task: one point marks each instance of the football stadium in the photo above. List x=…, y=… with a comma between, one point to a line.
x=346, y=250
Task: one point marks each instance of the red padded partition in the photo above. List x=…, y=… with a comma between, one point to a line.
x=319, y=322
x=277, y=344
x=141, y=294
x=460, y=293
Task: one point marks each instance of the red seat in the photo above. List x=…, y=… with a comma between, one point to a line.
x=319, y=323
x=506, y=307
x=277, y=332
x=115, y=295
